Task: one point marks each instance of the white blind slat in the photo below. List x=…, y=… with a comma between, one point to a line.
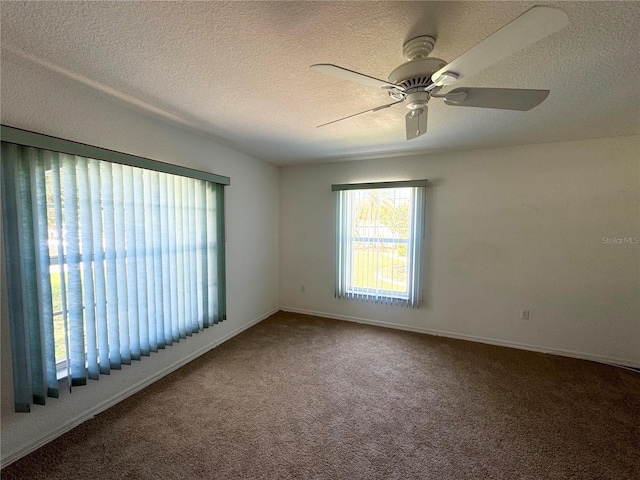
x=84, y=201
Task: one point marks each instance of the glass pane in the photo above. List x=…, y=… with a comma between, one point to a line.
x=380, y=235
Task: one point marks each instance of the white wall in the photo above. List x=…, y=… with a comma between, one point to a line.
x=509, y=229
x=38, y=100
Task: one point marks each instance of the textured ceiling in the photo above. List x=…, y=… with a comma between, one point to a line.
x=240, y=70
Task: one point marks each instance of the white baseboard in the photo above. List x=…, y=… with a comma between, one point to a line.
x=491, y=341
x=12, y=456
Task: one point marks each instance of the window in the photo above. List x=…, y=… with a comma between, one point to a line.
x=109, y=257
x=379, y=232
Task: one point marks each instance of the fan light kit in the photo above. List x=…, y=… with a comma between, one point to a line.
x=421, y=77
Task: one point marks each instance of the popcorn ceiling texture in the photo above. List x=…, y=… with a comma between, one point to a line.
x=239, y=71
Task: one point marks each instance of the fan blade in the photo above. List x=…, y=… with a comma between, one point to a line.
x=381, y=107
x=416, y=123
x=361, y=78
x=529, y=28
x=502, y=98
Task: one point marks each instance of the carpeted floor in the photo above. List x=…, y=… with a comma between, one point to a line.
x=305, y=397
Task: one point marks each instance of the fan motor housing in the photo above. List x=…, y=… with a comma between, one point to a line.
x=414, y=75
x=416, y=71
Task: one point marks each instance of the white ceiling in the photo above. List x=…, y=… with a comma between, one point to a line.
x=240, y=70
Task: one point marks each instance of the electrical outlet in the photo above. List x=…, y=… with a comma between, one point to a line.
x=524, y=314
x=302, y=290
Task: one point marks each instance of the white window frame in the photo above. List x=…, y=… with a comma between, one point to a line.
x=412, y=296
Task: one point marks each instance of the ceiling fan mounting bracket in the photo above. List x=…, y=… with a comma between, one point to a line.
x=418, y=47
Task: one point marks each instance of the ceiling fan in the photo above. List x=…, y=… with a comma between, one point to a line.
x=422, y=77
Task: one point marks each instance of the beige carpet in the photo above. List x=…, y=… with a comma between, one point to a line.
x=305, y=397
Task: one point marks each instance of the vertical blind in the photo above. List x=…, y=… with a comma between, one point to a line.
x=105, y=264
x=379, y=237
